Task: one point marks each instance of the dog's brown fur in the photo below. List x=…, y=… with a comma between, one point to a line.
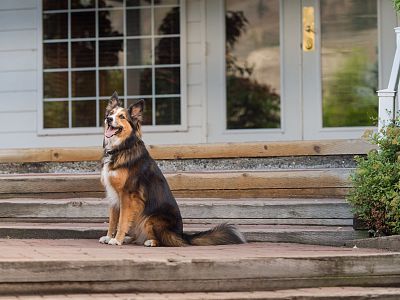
x=142, y=204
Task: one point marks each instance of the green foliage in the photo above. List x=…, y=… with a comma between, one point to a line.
x=251, y=104
x=375, y=197
x=396, y=5
x=349, y=97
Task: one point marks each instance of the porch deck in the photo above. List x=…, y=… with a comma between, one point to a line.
x=85, y=266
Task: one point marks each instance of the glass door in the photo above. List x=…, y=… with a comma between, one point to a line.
x=343, y=70
x=296, y=70
x=253, y=70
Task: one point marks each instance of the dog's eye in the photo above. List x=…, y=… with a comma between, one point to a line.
x=122, y=117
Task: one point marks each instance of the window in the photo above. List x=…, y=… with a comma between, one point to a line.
x=93, y=47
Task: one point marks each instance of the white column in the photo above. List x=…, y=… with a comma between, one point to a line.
x=387, y=109
x=387, y=97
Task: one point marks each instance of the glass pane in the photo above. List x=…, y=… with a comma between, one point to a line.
x=139, y=82
x=55, y=4
x=138, y=22
x=111, y=23
x=82, y=4
x=166, y=20
x=110, y=81
x=84, y=84
x=111, y=3
x=148, y=110
x=55, y=26
x=167, y=51
x=168, y=111
x=139, y=52
x=349, y=62
x=84, y=113
x=55, y=55
x=137, y=2
x=55, y=84
x=83, y=54
x=55, y=114
x=111, y=53
x=168, y=81
x=166, y=2
x=252, y=64
x=83, y=24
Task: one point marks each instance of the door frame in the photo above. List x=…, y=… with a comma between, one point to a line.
x=301, y=96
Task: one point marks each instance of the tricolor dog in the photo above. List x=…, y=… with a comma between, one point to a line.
x=141, y=203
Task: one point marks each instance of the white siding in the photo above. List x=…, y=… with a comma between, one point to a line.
x=19, y=70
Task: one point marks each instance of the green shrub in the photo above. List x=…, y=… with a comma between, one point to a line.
x=375, y=196
x=396, y=4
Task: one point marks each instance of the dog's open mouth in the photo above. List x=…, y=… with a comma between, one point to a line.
x=111, y=131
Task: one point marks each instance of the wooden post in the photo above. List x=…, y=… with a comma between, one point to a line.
x=388, y=105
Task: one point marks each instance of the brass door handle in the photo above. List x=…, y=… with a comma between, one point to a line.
x=308, y=29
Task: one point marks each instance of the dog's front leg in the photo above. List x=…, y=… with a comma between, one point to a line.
x=130, y=209
x=113, y=216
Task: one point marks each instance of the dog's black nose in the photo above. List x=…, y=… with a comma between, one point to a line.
x=109, y=120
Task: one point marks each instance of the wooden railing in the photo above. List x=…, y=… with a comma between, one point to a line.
x=388, y=98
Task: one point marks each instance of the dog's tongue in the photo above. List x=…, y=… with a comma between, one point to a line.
x=110, y=131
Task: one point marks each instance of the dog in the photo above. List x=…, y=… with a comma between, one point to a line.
x=142, y=206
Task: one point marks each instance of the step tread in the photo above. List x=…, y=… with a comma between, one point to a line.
x=299, y=183
x=361, y=293
x=222, y=172
x=187, y=227
x=59, y=266
x=188, y=201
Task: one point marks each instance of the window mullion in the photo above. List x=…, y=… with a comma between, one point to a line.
x=124, y=47
x=69, y=67
x=97, y=65
x=153, y=63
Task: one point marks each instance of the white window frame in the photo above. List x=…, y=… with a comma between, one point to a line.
x=99, y=130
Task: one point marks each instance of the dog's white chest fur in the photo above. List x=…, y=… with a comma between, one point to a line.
x=111, y=193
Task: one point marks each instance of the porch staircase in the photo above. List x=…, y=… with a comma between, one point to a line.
x=291, y=209
x=271, y=197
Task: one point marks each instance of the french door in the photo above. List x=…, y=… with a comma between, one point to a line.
x=293, y=70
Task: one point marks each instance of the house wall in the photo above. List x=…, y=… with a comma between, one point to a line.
x=20, y=37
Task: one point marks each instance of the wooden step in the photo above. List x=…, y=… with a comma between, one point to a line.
x=318, y=235
x=222, y=150
x=323, y=293
x=239, y=184
x=193, y=210
x=84, y=266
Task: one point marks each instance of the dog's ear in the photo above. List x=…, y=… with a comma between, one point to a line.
x=136, y=110
x=113, y=102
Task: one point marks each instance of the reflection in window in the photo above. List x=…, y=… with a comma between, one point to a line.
x=349, y=62
x=84, y=113
x=252, y=64
x=55, y=114
x=168, y=111
x=55, y=56
x=111, y=53
x=90, y=50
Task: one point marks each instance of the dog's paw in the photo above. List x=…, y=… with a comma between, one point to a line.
x=114, y=242
x=104, y=239
x=150, y=243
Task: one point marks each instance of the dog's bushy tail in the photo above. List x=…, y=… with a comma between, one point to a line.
x=220, y=235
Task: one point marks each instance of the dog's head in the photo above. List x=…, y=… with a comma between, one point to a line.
x=121, y=123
